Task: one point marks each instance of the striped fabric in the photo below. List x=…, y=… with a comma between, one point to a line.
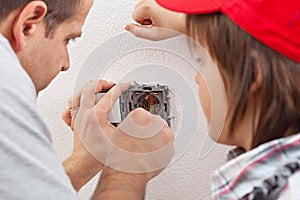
x=270, y=171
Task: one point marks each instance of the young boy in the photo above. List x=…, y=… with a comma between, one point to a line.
x=256, y=47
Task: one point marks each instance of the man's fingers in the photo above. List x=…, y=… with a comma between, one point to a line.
x=88, y=94
x=103, y=85
x=67, y=117
x=106, y=103
x=137, y=139
x=74, y=101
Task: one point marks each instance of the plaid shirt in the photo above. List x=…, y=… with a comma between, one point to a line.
x=270, y=171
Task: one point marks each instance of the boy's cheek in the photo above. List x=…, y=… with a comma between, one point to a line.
x=204, y=97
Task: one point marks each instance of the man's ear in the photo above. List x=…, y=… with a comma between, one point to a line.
x=26, y=23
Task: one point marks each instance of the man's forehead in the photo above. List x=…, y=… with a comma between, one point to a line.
x=72, y=27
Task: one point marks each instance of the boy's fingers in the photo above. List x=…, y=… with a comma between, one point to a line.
x=141, y=2
x=152, y=33
x=142, y=14
x=130, y=27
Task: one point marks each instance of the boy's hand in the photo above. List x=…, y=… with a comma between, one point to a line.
x=155, y=22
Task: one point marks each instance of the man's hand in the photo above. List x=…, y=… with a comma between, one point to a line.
x=135, y=152
x=155, y=22
x=142, y=146
x=84, y=116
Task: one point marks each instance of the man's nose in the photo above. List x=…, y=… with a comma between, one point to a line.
x=65, y=68
x=66, y=63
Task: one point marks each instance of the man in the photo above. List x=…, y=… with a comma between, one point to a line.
x=34, y=35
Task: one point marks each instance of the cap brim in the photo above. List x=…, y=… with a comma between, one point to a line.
x=190, y=6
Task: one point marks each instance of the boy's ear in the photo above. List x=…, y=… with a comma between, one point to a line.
x=257, y=77
x=26, y=23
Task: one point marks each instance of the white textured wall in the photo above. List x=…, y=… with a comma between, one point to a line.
x=188, y=176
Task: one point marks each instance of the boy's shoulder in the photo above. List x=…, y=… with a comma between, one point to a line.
x=291, y=190
x=254, y=170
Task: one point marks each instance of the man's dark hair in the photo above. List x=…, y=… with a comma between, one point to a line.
x=58, y=12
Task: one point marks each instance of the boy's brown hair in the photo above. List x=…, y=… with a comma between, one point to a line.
x=240, y=59
x=58, y=12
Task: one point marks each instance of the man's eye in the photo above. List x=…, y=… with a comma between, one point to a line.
x=70, y=39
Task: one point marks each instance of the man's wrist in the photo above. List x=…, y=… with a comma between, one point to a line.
x=114, y=184
x=81, y=168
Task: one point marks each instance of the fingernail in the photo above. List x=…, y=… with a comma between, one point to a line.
x=127, y=28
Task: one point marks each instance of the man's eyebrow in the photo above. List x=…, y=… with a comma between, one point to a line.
x=75, y=35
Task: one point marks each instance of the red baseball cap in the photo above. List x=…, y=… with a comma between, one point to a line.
x=276, y=23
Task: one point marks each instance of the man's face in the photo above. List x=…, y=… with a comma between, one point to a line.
x=45, y=57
